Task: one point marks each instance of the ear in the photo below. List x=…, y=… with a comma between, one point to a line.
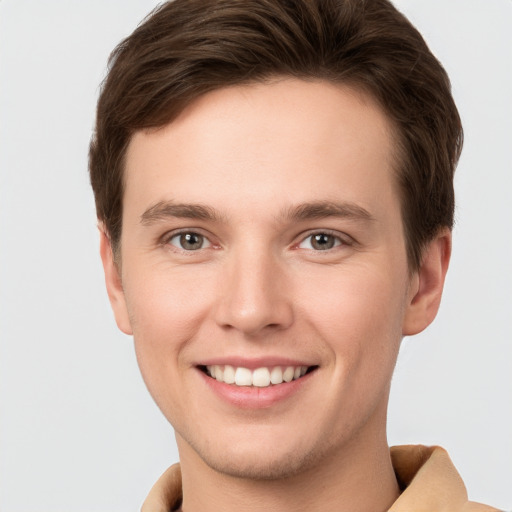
x=113, y=282
x=427, y=284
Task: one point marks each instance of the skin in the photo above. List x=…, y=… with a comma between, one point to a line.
x=257, y=289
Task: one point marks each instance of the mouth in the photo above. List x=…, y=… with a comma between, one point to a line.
x=263, y=377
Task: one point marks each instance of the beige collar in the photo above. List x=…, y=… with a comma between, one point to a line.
x=427, y=475
x=430, y=482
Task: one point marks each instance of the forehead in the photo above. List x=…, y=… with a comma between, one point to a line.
x=285, y=141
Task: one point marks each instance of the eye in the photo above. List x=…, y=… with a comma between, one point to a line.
x=189, y=241
x=320, y=242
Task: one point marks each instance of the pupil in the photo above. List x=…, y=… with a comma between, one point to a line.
x=323, y=241
x=191, y=241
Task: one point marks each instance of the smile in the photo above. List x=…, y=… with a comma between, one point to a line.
x=260, y=377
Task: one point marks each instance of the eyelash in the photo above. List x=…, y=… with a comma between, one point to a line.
x=337, y=240
x=166, y=240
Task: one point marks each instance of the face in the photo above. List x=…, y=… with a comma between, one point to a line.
x=264, y=274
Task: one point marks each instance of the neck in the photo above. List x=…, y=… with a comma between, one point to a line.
x=360, y=479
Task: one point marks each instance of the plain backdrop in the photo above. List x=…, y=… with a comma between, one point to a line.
x=78, y=430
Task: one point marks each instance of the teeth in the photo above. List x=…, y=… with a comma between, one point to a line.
x=276, y=375
x=288, y=374
x=229, y=374
x=261, y=377
x=243, y=377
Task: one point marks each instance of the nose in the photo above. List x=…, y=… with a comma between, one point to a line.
x=255, y=295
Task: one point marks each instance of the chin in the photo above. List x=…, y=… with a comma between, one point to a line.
x=258, y=467
x=263, y=460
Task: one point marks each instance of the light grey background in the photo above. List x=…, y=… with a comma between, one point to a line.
x=78, y=430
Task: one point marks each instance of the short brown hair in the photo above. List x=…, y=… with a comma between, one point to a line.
x=187, y=48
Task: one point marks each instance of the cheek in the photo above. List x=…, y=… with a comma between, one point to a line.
x=166, y=312
x=166, y=302
x=359, y=315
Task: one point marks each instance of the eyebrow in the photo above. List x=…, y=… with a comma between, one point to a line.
x=324, y=209
x=168, y=209
x=306, y=211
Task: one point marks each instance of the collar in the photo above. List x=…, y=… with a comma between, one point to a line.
x=425, y=474
x=429, y=482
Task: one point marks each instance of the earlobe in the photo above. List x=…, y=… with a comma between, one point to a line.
x=113, y=283
x=427, y=285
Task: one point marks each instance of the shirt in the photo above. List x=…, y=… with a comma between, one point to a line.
x=426, y=476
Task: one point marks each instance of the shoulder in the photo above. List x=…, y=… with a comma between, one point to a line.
x=429, y=481
x=166, y=494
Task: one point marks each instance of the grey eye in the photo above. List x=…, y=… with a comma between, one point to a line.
x=189, y=241
x=320, y=242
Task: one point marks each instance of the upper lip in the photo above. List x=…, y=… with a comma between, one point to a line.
x=254, y=363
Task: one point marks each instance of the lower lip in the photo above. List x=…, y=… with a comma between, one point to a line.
x=253, y=397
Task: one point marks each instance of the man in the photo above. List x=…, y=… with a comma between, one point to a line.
x=274, y=186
